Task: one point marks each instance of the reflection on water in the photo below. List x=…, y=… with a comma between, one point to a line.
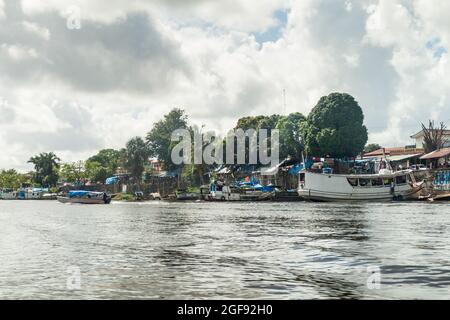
x=160, y=250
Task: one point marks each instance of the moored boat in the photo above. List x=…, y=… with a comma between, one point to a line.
x=85, y=197
x=184, y=195
x=249, y=192
x=383, y=186
x=8, y=194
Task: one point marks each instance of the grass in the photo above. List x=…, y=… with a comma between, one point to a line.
x=124, y=197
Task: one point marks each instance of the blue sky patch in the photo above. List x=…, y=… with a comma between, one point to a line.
x=434, y=46
x=273, y=33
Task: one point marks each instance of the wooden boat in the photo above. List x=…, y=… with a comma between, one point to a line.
x=440, y=197
x=184, y=195
x=384, y=186
x=220, y=192
x=85, y=197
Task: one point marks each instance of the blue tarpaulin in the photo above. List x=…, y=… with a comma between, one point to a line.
x=78, y=193
x=296, y=169
x=112, y=180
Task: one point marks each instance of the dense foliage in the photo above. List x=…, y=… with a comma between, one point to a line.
x=158, y=138
x=11, y=179
x=335, y=128
x=137, y=154
x=46, y=166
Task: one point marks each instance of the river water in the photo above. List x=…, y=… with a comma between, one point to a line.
x=163, y=250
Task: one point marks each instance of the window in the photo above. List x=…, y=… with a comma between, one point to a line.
x=400, y=180
x=377, y=182
x=302, y=177
x=364, y=182
x=353, y=181
x=387, y=182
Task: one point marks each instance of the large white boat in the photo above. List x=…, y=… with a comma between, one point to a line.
x=384, y=186
x=85, y=197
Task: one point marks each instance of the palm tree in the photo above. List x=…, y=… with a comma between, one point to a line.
x=46, y=166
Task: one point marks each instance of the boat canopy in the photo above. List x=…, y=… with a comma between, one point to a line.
x=82, y=193
x=78, y=193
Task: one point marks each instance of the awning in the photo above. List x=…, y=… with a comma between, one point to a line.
x=437, y=154
x=403, y=157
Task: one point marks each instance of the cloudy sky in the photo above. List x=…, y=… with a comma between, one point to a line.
x=74, y=91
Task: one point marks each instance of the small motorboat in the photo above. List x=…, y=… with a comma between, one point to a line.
x=85, y=197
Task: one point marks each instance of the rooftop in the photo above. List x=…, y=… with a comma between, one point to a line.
x=437, y=154
x=420, y=133
x=394, y=151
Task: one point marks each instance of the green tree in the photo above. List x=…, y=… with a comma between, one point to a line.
x=96, y=172
x=371, y=147
x=108, y=158
x=103, y=165
x=74, y=172
x=11, y=179
x=335, y=127
x=137, y=154
x=256, y=123
x=46, y=167
x=291, y=143
x=159, y=138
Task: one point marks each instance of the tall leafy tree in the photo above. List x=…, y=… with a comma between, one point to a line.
x=137, y=154
x=159, y=138
x=46, y=166
x=74, y=172
x=291, y=144
x=256, y=123
x=103, y=165
x=108, y=158
x=335, y=127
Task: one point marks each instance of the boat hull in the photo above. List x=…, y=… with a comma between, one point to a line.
x=324, y=187
x=83, y=200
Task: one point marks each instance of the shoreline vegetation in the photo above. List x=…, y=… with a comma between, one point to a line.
x=333, y=129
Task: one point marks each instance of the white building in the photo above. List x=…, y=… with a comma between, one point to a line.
x=419, y=138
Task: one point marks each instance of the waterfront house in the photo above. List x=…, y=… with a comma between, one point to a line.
x=419, y=138
x=402, y=157
x=438, y=158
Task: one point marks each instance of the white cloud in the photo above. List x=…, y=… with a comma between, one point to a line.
x=37, y=30
x=132, y=62
x=18, y=52
x=2, y=10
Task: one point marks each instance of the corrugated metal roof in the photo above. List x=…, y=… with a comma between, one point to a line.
x=437, y=154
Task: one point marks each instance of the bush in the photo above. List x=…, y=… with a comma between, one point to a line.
x=124, y=197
